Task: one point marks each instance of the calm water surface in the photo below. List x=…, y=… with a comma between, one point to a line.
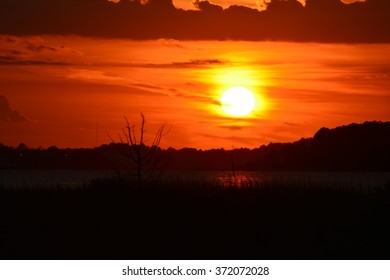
x=76, y=178
x=48, y=178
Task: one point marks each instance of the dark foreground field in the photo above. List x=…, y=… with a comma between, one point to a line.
x=109, y=219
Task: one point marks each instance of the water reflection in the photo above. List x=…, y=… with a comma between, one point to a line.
x=293, y=179
x=240, y=179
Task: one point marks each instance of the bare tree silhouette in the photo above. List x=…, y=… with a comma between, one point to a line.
x=146, y=158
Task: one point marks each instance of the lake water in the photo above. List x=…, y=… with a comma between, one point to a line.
x=48, y=178
x=76, y=178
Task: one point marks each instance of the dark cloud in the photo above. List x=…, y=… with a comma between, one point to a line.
x=232, y=127
x=6, y=114
x=12, y=52
x=176, y=64
x=9, y=60
x=6, y=59
x=198, y=62
x=24, y=51
x=318, y=20
x=39, y=48
x=208, y=7
x=292, y=124
x=16, y=58
x=171, y=43
x=243, y=140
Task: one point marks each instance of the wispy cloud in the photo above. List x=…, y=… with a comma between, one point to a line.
x=231, y=127
x=101, y=77
x=171, y=43
x=199, y=62
x=34, y=51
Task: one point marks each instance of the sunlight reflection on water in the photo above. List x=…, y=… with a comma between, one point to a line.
x=78, y=178
x=264, y=178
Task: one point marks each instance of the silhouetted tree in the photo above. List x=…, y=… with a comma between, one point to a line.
x=22, y=147
x=146, y=158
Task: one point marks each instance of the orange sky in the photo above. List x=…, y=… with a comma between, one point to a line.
x=74, y=91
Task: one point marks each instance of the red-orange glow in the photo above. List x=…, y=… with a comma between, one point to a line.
x=77, y=95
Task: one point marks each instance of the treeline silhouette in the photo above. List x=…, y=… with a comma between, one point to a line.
x=354, y=147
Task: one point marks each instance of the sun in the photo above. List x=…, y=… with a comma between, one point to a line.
x=238, y=101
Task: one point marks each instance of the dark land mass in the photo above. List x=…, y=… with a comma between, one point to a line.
x=354, y=147
x=115, y=219
x=122, y=218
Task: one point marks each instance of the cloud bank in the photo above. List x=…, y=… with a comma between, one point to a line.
x=318, y=20
x=6, y=114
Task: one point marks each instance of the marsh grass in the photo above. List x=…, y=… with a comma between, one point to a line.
x=192, y=218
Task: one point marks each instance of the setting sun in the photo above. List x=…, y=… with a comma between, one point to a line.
x=238, y=101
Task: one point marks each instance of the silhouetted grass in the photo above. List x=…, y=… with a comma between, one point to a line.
x=117, y=218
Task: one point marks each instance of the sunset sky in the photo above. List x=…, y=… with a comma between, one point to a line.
x=71, y=70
